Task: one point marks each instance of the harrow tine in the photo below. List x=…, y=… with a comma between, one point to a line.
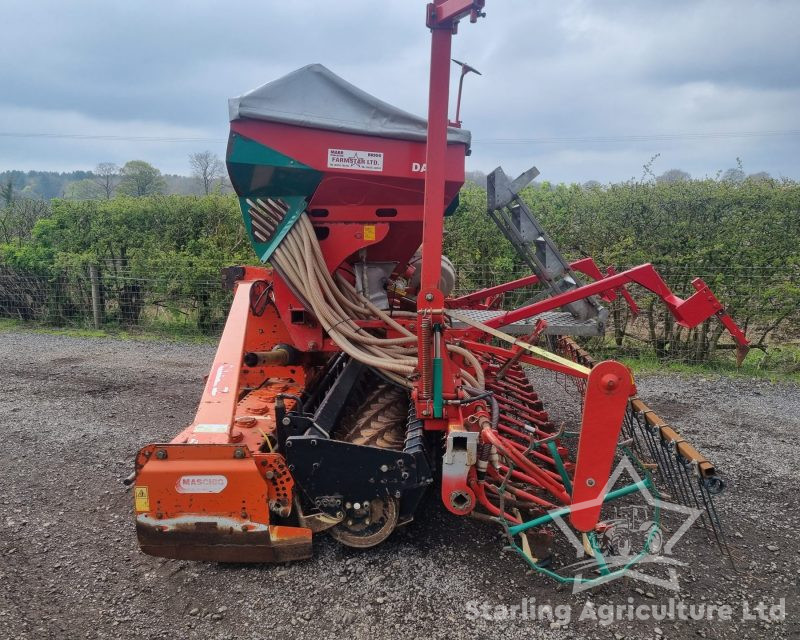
x=629, y=430
x=680, y=474
x=688, y=482
x=716, y=523
x=657, y=455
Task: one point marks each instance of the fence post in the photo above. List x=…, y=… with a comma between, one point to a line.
x=97, y=308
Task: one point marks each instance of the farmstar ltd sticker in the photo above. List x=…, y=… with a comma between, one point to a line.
x=618, y=556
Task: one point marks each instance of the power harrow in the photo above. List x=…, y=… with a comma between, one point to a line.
x=349, y=379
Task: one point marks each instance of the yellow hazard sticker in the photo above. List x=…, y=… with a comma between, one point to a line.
x=141, y=499
x=369, y=232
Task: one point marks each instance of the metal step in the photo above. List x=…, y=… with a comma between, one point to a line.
x=559, y=323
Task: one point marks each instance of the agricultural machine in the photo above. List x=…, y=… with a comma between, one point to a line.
x=349, y=379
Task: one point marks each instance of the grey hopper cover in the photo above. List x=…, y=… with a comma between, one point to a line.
x=315, y=97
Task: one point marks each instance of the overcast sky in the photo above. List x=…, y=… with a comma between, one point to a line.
x=556, y=77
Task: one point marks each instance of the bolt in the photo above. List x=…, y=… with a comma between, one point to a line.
x=397, y=494
x=312, y=346
x=610, y=382
x=404, y=475
x=161, y=454
x=339, y=515
x=384, y=468
x=590, y=482
x=313, y=443
x=239, y=453
x=348, y=505
x=357, y=506
x=269, y=475
x=429, y=297
x=286, y=421
x=288, y=444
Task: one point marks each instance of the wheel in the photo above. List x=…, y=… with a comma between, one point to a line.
x=367, y=524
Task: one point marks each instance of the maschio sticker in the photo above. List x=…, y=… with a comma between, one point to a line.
x=201, y=484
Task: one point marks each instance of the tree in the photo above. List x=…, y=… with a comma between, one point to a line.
x=7, y=192
x=18, y=219
x=106, y=178
x=206, y=169
x=140, y=178
x=674, y=175
x=733, y=175
x=86, y=189
x=478, y=177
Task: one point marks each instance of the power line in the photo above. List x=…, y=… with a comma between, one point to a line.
x=654, y=137
x=642, y=138
x=85, y=136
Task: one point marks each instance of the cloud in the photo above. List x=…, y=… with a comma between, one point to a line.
x=104, y=145
x=574, y=69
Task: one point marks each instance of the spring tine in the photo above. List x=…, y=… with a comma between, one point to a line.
x=634, y=428
x=716, y=523
x=632, y=433
x=676, y=464
x=666, y=465
x=708, y=511
x=688, y=482
x=671, y=469
x=658, y=456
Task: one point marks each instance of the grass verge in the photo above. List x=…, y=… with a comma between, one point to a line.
x=170, y=333
x=778, y=364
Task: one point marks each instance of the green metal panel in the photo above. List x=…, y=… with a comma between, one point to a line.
x=264, y=250
x=258, y=171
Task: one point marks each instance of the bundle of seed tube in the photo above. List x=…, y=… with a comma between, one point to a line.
x=338, y=306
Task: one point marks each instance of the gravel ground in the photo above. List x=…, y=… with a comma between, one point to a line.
x=74, y=411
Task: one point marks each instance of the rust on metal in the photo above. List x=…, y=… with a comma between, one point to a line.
x=669, y=435
x=221, y=540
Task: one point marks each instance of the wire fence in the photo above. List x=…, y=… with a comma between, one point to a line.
x=765, y=302
x=115, y=298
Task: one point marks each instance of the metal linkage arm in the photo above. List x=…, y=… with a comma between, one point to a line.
x=586, y=266
x=688, y=313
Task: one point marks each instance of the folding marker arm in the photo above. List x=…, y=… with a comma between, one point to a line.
x=690, y=312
